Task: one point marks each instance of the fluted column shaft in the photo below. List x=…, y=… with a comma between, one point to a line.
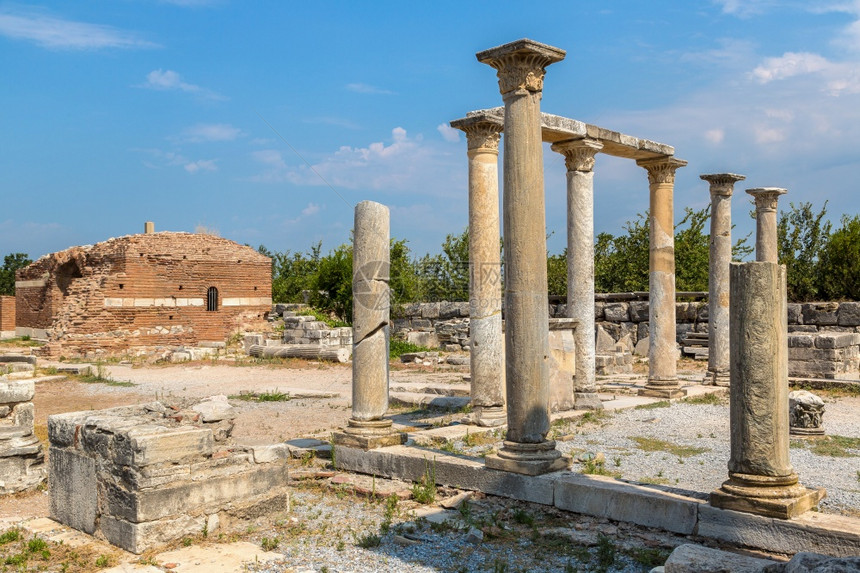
x=579, y=160
x=720, y=257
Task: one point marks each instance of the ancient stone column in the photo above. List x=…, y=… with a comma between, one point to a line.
x=370, y=298
x=485, y=285
x=720, y=257
x=766, y=248
x=579, y=159
x=521, y=66
x=761, y=479
x=662, y=347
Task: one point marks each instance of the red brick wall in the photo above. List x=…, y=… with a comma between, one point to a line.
x=7, y=313
x=146, y=291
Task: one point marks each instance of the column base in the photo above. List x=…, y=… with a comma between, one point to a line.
x=586, y=401
x=528, y=459
x=486, y=416
x=806, y=432
x=717, y=378
x=369, y=435
x=666, y=392
x=779, y=497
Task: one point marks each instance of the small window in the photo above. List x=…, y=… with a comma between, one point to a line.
x=212, y=299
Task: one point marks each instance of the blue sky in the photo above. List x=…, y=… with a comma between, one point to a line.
x=224, y=115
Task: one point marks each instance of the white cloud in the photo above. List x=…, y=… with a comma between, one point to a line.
x=744, y=8
x=58, y=34
x=788, y=65
x=765, y=134
x=448, y=133
x=207, y=132
x=168, y=80
x=201, y=165
x=367, y=89
x=403, y=163
x=311, y=209
x=715, y=136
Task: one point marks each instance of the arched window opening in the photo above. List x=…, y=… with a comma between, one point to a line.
x=212, y=299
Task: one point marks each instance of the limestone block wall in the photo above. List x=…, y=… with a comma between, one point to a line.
x=433, y=324
x=21, y=457
x=833, y=355
x=143, y=291
x=141, y=476
x=308, y=330
x=7, y=315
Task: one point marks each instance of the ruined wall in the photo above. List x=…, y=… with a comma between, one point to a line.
x=7, y=314
x=143, y=291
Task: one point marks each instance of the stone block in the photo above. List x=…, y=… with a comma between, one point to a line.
x=26, y=359
x=643, y=330
x=823, y=533
x=598, y=310
x=801, y=341
x=139, y=537
x=848, y=314
x=74, y=499
x=14, y=391
x=422, y=324
x=461, y=472
x=430, y=310
x=795, y=314
x=638, y=310
x=616, y=312
x=837, y=340
x=820, y=313
x=807, y=562
x=692, y=558
x=802, y=328
x=154, y=444
x=608, y=498
x=703, y=312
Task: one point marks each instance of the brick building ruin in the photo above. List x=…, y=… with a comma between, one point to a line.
x=142, y=291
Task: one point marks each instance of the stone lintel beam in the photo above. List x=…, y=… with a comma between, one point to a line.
x=556, y=128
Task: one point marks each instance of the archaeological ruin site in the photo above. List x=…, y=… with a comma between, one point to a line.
x=514, y=411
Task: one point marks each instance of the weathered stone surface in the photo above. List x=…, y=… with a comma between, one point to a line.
x=691, y=558
x=638, y=311
x=14, y=391
x=617, y=312
x=74, y=498
x=215, y=409
x=795, y=314
x=806, y=562
x=848, y=314
x=805, y=412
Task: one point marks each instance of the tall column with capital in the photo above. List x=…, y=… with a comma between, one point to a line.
x=720, y=257
x=766, y=248
x=579, y=159
x=521, y=66
x=662, y=348
x=485, y=285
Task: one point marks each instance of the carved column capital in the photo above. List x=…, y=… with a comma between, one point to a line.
x=521, y=65
x=578, y=153
x=661, y=169
x=483, y=136
x=766, y=198
x=722, y=183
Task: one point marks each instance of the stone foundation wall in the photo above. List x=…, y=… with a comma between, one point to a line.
x=308, y=330
x=7, y=314
x=21, y=457
x=832, y=355
x=142, y=476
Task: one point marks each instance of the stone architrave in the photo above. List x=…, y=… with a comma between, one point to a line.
x=721, y=187
x=663, y=349
x=521, y=66
x=579, y=159
x=766, y=198
x=485, y=284
x=761, y=479
x=370, y=314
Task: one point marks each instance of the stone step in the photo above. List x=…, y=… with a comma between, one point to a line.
x=428, y=400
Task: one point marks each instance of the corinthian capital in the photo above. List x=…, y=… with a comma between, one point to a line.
x=521, y=64
x=482, y=132
x=766, y=197
x=578, y=153
x=661, y=169
x=722, y=183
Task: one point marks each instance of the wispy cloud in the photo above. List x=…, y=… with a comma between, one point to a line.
x=168, y=80
x=744, y=8
x=310, y=210
x=448, y=133
x=367, y=89
x=788, y=65
x=159, y=159
x=402, y=163
x=56, y=33
x=209, y=132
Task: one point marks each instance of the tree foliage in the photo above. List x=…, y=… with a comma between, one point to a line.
x=802, y=235
x=11, y=263
x=839, y=262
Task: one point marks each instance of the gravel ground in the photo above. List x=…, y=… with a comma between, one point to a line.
x=706, y=426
